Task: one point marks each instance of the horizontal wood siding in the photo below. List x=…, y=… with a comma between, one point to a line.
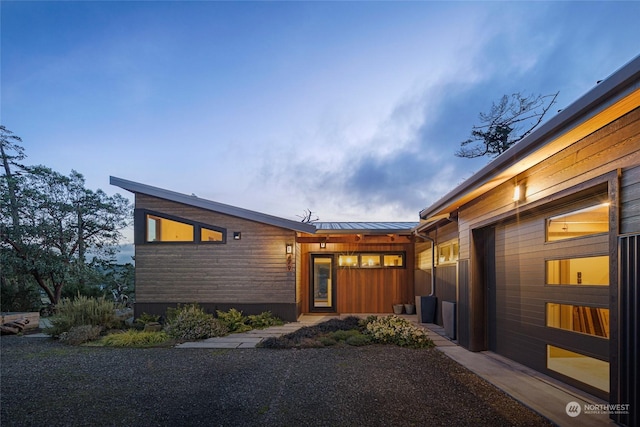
x=362, y=290
x=252, y=270
x=630, y=201
x=608, y=149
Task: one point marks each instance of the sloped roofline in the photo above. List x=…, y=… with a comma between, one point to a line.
x=618, y=93
x=136, y=187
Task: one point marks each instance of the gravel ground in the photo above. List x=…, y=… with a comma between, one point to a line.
x=45, y=383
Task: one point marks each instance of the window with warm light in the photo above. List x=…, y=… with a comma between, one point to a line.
x=578, y=318
x=166, y=230
x=155, y=227
x=592, y=271
x=372, y=260
x=586, y=369
x=580, y=223
x=448, y=252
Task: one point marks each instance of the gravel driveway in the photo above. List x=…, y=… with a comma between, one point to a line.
x=45, y=383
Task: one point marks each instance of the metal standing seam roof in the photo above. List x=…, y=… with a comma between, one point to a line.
x=364, y=227
x=195, y=201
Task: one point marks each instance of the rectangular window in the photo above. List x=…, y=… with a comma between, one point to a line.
x=208, y=235
x=348, y=260
x=578, y=271
x=577, y=318
x=580, y=223
x=166, y=230
x=372, y=260
x=393, y=261
x=588, y=370
x=448, y=252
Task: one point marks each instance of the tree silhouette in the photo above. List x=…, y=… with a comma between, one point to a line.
x=509, y=121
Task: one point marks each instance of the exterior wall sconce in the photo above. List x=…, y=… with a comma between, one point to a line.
x=518, y=193
x=237, y=235
x=289, y=248
x=323, y=245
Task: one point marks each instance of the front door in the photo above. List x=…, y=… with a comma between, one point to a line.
x=322, y=284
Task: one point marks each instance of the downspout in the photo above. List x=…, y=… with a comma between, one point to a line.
x=433, y=261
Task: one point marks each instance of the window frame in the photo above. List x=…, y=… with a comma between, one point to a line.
x=140, y=229
x=548, y=219
x=380, y=254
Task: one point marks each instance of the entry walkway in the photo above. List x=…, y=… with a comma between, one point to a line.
x=251, y=338
x=543, y=394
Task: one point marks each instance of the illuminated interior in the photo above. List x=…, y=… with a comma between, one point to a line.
x=368, y=260
x=578, y=271
x=584, y=222
x=576, y=318
x=448, y=252
x=207, y=235
x=588, y=370
x=393, y=260
x=166, y=230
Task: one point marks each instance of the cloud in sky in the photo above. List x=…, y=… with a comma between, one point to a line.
x=352, y=110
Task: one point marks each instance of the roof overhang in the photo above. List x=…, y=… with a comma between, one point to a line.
x=609, y=100
x=195, y=201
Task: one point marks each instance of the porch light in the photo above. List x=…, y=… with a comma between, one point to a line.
x=237, y=235
x=289, y=248
x=323, y=245
x=518, y=193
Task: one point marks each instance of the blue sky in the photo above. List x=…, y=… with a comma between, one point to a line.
x=351, y=109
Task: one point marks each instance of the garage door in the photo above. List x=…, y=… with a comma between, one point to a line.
x=548, y=299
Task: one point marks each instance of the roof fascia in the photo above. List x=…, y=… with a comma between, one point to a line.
x=195, y=201
x=617, y=94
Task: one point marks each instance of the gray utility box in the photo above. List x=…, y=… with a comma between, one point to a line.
x=449, y=318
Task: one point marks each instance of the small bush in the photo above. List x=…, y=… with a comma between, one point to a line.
x=83, y=311
x=233, y=320
x=190, y=322
x=327, y=341
x=343, y=335
x=81, y=334
x=133, y=338
x=145, y=318
x=263, y=320
x=359, y=340
x=396, y=330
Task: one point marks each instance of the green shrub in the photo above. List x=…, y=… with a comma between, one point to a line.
x=233, y=320
x=133, y=338
x=190, y=322
x=83, y=311
x=327, y=341
x=342, y=335
x=263, y=320
x=396, y=330
x=81, y=334
x=145, y=318
x=358, y=340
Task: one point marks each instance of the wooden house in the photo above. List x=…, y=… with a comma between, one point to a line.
x=538, y=253
x=189, y=249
